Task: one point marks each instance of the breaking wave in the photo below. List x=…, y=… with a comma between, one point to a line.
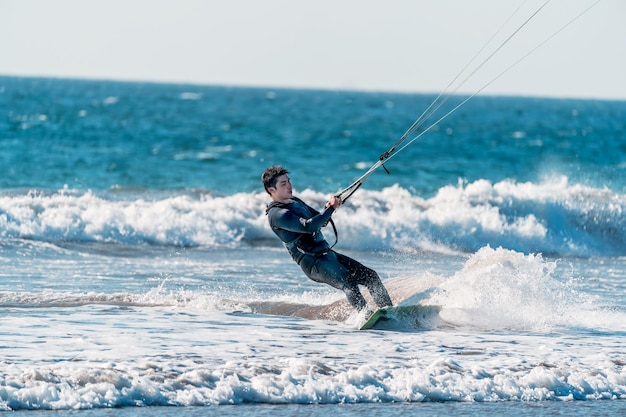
x=553, y=217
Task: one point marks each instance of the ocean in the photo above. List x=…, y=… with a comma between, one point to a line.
x=139, y=275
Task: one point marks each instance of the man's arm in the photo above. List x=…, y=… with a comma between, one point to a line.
x=287, y=220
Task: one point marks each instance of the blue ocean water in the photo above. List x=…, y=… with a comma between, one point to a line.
x=138, y=268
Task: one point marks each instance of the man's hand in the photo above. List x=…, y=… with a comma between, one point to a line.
x=334, y=201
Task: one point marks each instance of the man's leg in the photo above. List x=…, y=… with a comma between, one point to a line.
x=328, y=270
x=367, y=277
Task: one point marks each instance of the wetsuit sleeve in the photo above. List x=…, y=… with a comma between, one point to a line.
x=287, y=220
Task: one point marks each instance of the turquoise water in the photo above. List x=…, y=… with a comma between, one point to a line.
x=138, y=269
x=104, y=135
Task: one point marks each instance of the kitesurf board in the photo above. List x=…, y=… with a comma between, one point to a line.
x=413, y=314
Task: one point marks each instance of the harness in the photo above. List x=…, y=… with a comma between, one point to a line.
x=293, y=244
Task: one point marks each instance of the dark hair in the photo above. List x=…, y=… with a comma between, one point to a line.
x=270, y=176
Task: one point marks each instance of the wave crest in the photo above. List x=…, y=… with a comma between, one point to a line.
x=552, y=217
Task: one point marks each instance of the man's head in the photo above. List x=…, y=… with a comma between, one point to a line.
x=276, y=182
x=270, y=176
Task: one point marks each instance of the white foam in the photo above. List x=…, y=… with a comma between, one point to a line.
x=503, y=289
x=554, y=217
x=551, y=217
x=526, y=335
x=162, y=356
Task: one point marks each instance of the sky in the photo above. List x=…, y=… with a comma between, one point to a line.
x=372, y=45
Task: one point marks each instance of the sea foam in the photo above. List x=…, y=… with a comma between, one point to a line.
x=552, y=217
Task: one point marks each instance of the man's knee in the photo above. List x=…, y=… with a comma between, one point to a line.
x=369, y=277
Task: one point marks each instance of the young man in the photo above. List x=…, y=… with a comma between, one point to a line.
x=298, y=226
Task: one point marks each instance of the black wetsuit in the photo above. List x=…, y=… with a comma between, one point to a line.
x=298, y=226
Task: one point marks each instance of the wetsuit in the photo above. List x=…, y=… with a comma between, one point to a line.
x=298, y=226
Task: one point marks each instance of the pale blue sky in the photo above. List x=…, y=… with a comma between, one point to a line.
x=391, y=45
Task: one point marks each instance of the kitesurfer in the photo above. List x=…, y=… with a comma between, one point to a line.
x=298, y=226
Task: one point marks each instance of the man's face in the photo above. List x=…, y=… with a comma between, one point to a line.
x=283, y=191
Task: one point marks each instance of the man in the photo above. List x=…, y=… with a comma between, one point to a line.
x=298, y=226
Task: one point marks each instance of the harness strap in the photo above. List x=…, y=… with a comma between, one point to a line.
x=332, y=223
